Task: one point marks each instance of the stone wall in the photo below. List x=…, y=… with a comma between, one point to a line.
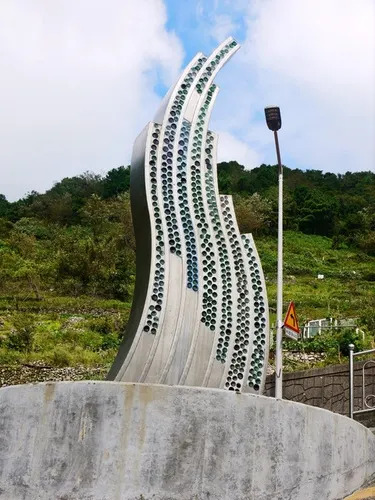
x=325, y=387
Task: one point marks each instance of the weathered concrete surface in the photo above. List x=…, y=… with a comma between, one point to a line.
x=108, y=441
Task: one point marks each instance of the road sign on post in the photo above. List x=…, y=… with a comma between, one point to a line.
x=291, y=327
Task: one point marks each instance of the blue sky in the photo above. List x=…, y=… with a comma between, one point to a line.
x=80, y=79
x=322, y=30
x=192, y=20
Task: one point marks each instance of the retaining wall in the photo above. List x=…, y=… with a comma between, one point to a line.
x=325, y=387
x=108, y=441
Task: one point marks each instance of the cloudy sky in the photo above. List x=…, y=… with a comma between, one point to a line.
x=80, y=78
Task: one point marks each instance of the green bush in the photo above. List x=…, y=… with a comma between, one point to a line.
x=90, y=340
x=9, y=357
x=111, y=341
x=332, y=342
x=349, y=336
x=33, y=227
x=60, y=356
x=326, y=342
x=21, y=336
x=101, y=324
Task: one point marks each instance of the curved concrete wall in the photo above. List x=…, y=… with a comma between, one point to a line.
x=108, y=441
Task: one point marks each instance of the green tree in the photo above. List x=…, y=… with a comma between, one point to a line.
x=4, y=206
x=317, y=212
x=25, y=264
x=116, y=181
x=253, y=213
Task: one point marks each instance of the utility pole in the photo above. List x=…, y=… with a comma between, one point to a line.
x=273, y=118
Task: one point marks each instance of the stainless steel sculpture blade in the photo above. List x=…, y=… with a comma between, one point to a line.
x=200, y=311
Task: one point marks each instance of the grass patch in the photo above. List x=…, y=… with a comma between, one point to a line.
x=62, y=339
x=344, y=292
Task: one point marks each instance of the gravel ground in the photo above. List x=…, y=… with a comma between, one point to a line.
x=37, y=372
x=32, y=373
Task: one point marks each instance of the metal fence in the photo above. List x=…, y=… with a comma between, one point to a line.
x=318, y=326
x=368, y=400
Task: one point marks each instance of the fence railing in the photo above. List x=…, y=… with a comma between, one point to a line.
x=318, y=326
x=368, y=401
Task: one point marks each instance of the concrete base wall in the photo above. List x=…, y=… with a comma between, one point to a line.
x=108, y=441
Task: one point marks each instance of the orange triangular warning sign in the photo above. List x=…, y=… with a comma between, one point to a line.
x=291, y=320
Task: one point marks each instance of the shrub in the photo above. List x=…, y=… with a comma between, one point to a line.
x=111, y=341
x=326, y=342
x=367, y=243
x=22, y=335
x=60, y=356
x=9, y=357
x=101, y=324
x=349, y=336
x=332, y=342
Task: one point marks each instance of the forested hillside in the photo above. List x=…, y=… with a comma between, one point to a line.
x=77, y=238
x=72, y=250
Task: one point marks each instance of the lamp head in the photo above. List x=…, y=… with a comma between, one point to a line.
x=273, y=117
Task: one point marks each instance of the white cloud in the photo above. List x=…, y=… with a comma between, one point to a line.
x=77, y=82
x=326, y=45
x=223, y=26
x=316, y=59
x=77, y=85
x=231, y=148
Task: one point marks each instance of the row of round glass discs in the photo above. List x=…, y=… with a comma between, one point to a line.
x=225, y=269
x=236, y=370
x=260, y=322
x=168, y=203
x=209, y=311
x=187, y=223
x=153, y=313
x=203, y=80
x=192, y=259
x=174, y=116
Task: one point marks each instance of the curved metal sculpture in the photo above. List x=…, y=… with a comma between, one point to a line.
x=200, y=312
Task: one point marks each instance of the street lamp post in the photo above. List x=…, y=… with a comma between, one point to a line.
x=273, y=118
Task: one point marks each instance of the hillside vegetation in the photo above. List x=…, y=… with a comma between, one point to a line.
x=67, y=258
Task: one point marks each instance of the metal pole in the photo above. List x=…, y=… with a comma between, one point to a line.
x=351, y=381
x=279, y=310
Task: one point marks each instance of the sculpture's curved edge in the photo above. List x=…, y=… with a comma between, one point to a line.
x=142, y=229
x=137, y=350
